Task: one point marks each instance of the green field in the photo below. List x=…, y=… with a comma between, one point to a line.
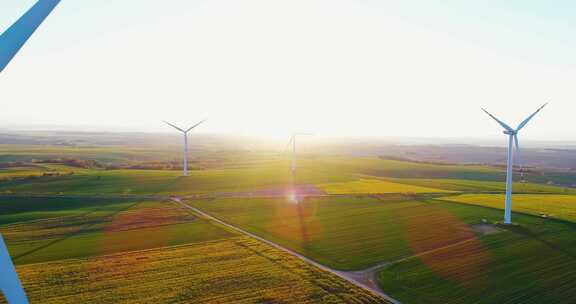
x=475, y=186
x=373, y=186
x=76, y=228
x=400, y=169
x=555, y=206
x=437, y=253
x=232, y=270
x=430, y=227
x=336, y=175
x=150, y=181
x=102, y=250
x=347, y=233
x=534, y=262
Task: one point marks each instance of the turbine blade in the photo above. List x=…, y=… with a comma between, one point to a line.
x=523, y=124
x=505, y=126
x=516, y=143
x=194, y=126
x=173, y=126
x=14, y=38
x=9, y=283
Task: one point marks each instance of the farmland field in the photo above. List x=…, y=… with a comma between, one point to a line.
x=100, y=250
x=437, y=254
x=347, y=233
x=99, y=181
x=232, y=270
x=534, y=262
x=336, y=175
x=426, y=228
x=556, y=206
x=370, y=186
x=87, y=227
x=470, y=185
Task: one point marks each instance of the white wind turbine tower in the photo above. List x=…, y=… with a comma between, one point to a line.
x=185, y=133
x=292, y=142
x=512, y=140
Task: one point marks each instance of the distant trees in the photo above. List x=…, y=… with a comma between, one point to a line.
x=95, y=164
x=153, y=165
x=74, y=162
x=12, y=164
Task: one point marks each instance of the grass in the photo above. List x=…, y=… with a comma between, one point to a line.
x=339, y=175
x=36, y=170
x=23, y=209
x=233, y=270
x=463, y=185
x=556, y=206
x=150, y=181
x=437, y=255
x=107, y=154
x=534, y=262
x=100, y=229
x=402, y=169
x=347, y=233
x=372, y=186
x=81, y=248
x=242, y=178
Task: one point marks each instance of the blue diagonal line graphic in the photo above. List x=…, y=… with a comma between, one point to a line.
x=16, y=35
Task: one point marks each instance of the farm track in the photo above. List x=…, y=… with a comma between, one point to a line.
x=365, y=278
x=369, y=285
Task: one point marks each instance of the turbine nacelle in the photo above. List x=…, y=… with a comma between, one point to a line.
x=510, y=132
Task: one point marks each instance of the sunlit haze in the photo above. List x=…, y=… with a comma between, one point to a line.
x=335, y=68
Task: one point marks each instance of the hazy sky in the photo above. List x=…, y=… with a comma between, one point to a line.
x=334, y=67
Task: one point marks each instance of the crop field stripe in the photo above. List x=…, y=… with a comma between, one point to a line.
x=517, y=208
x=114, y=229
x=221, y=271
x=375, y=186
x=80, y=231
x=438, y=277
x=293, y=253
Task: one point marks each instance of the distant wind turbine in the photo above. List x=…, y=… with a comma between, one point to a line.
x=11, y=41
x=185, y=133
x=292, y=144
x=512, y=141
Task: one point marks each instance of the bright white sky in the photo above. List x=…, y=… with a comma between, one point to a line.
x=265, y=67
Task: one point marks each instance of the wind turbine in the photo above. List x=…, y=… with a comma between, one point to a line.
x=293, y=195
x=185, y=133
x=512, y=141
x=11, y=41
x=292, y=142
